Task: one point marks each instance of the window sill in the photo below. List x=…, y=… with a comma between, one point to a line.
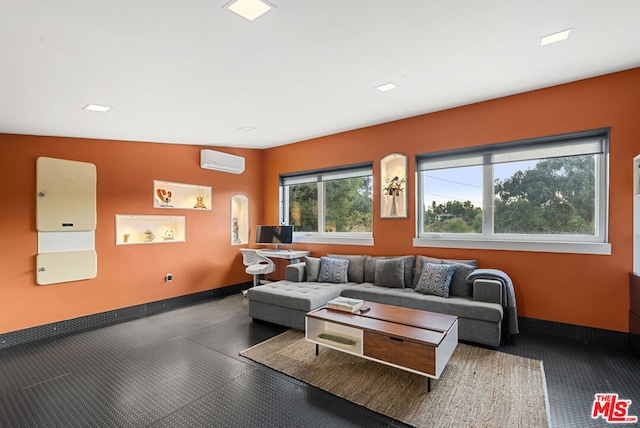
x=337, y=240
x=535, y=246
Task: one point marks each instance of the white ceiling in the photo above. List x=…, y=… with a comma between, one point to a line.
x=192, y=72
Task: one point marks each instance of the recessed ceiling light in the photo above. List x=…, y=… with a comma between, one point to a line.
x=386, y=87
x=249, y=9
x=96, y=107
x=247, y=128
x=555, y=37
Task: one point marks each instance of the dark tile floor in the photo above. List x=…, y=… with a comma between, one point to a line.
x=182, y=369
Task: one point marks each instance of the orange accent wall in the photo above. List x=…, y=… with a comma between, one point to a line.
x=587, y=290
x=127, y=275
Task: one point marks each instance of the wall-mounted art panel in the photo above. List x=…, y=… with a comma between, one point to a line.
x=65, y=195
x=393, y=181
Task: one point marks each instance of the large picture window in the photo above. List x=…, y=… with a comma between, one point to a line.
x=547, y=194
x=333, y=205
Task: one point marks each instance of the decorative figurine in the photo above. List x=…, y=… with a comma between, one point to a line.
x=125, y=237
x=199, y=202
x=394, y=188
x=164, y=195
x=168, y=235
x=149, y=236
x=236, y=230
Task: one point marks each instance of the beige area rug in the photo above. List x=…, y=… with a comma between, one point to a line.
x=478, y=388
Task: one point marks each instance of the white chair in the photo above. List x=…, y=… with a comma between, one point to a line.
x=256, y=264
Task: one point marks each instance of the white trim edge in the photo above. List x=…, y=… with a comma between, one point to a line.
x=338, y=240
x=542, y=246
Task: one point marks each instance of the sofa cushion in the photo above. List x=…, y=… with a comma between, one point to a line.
x=390, y=273
x=312, y=268
x=370, y=268
x=302, y=296
x=459, y=285
x=356, y=266
x=333, y=270
x=463, y=307
x=435, y=279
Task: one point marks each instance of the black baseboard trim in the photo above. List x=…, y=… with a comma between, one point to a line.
x=116, y=316
x=103, y=319
x=575, y=332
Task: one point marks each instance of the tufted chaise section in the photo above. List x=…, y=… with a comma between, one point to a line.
x=287, y=302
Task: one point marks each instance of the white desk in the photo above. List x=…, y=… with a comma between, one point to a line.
x=293, y=255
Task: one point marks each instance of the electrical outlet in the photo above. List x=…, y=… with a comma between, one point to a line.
x=168, y=277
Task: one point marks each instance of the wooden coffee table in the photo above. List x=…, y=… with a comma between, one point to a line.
x=417, y=341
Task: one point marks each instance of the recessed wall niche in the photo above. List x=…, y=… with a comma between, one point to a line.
x=167, y=194
x=149, y=229
x=239, y=219
x=393, y=186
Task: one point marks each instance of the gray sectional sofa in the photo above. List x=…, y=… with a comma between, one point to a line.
x=482, y=299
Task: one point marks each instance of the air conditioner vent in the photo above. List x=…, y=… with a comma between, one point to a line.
x=220, y=161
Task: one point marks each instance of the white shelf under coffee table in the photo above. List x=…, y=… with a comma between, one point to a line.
x=417, y=341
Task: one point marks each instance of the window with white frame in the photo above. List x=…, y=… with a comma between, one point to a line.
x=546, y=194
x=333, y=205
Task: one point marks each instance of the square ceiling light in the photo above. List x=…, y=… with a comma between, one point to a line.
x=555, y=37
x=97, y=107
x=249, y=9
x=386, y=87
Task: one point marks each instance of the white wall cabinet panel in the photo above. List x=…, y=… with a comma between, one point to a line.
x=65, y=195
x=65, y=220
x=66, y=266
x=50, y=242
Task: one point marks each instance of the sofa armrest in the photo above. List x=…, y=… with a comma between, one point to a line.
x=487, y=290
x=295, y=272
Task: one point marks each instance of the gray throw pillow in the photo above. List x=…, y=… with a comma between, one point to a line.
x=390, y=273
x=370, y=268
x=333, y=270
x=435, y=279
x=356, y=266
x=312, y=268
x=459, y=286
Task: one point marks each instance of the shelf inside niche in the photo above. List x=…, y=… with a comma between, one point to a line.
x=168, y=194
x=131, y=229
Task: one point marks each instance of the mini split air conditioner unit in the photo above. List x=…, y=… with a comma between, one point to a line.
x=219, y=161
